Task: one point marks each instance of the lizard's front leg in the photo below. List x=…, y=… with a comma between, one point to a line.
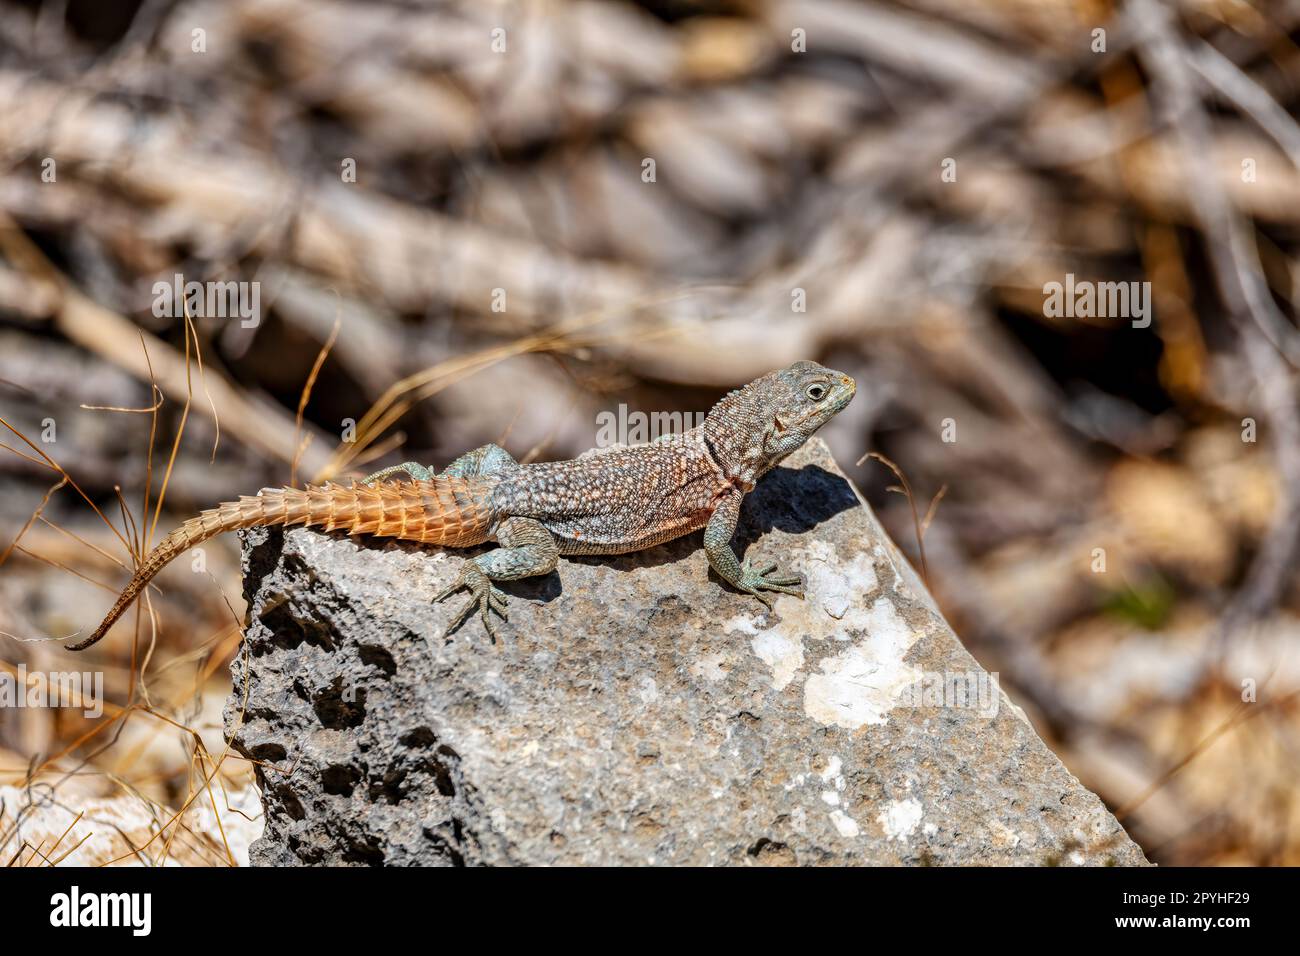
x=527, y=549
x=746, y=577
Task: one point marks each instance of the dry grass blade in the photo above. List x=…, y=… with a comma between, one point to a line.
x=55, y=466
x=32, y=520
x=305, y=397
x=904, y=488
x=180, y=431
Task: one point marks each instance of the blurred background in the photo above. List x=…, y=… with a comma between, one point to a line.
x=478, y=221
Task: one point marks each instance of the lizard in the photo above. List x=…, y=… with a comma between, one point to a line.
x=605, y=501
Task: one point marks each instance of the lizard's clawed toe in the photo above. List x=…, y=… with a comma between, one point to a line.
x=484, y=598
x=757, y=580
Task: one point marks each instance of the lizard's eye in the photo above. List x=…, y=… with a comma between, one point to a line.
x=816, y=391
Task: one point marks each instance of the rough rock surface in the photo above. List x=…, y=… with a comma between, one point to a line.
x=638, y=711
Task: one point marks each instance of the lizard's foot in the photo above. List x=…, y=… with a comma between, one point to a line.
x=483, y=597
x=757, y=580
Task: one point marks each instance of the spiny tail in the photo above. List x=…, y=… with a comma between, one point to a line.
x=455, y=512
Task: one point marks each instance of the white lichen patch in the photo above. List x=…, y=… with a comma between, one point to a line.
x=832, y=772
x=710, y=667
x=833, y=608
x=834, y=585
x=744, y=623
x=861, y=684
x=900, y=819
x=783, y=654
x=844, y=824
x=648, y=690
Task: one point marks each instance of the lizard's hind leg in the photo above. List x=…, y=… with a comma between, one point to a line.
x=527, y=549
x=489, y=459
x=413, y=468
x=484, y=461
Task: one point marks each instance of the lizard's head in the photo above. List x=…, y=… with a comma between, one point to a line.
x=802, y=398
x=772, y=416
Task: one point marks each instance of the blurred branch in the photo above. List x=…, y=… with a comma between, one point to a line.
x=260, y=425
x=1264, y=339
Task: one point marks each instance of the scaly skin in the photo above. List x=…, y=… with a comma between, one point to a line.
x=607, y=501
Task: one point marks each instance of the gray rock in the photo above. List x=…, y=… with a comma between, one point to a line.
x=638, y=711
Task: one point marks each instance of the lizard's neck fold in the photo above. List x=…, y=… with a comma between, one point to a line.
x=733, y=431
